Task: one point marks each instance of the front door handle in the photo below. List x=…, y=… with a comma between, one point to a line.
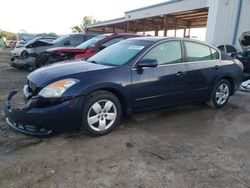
x=180, y=74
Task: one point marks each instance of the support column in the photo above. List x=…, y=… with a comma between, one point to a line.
x=165, y=25
x=156, y=31
x=113, y=29
x=175, y=28
x=144, y=22
x=126, y=26
x=134, y=30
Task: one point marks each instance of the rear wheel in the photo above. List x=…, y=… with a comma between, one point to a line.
x=220, y=94
x=101, y=113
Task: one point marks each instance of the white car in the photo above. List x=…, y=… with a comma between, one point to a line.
x=20, y=49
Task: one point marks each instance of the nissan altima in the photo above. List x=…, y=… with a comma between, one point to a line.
x=130, y=76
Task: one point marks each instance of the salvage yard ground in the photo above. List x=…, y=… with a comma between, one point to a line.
x=186, y=146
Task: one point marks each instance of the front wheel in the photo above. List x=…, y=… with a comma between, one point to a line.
x=220, y=94
x=101, y=113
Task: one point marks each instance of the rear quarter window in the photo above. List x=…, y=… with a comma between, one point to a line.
x=197, y=52
x=215, y=54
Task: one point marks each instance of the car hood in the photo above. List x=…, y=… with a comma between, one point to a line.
x=244, y=41
x=66, y=49
x=67, y=69
x=39, y=43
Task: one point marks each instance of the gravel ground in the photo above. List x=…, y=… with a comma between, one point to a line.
x=187, y=146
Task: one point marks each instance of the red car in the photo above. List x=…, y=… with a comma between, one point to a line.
x=82, y=51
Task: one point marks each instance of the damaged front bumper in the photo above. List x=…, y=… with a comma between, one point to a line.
x=27, y=63
x=42, y=117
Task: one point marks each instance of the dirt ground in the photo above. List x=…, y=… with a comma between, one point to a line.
x=187, y=146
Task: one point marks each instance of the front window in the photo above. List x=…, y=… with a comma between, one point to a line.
x=92, y=41
x=119, y=53
x=166, y=53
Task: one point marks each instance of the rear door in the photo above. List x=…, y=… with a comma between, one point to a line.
x=164, y=84
x=203, y=65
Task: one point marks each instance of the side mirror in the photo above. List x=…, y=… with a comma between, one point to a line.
x=67, y=43
x=147, y=63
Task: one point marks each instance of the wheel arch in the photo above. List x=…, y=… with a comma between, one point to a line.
x=231, y=82
x=115, y=91
x=230, y=79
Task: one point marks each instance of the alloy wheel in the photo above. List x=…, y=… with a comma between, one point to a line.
x=102, y=115
x=222, y=94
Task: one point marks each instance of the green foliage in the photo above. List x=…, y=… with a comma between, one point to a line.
x=8, y=35
x=85, y=21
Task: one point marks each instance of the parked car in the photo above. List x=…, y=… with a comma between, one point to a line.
x=228, y=49
x=130, y=76
x=20, y=50
x=244, y=55
x=18, y=47
x=41, y=45
x=84, y=50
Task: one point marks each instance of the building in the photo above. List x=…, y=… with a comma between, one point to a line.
x=224, y=20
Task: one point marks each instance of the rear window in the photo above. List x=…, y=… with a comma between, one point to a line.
x=197, y=52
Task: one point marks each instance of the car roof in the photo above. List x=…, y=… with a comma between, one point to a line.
x=159, y=39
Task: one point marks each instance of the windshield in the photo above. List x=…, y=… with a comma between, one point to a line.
x=92, y=41
x=33, y=40
x=119, y=53
x=60, y=39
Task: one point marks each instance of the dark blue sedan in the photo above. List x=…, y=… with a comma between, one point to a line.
x=130, y=76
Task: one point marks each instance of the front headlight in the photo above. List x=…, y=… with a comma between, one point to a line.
x=56, y=89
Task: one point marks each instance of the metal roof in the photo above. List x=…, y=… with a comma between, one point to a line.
x=152, y=6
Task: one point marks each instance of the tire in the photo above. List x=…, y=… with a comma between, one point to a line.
x=42, y=59
x=220, y=94
x=101, y=113
x=24, y=54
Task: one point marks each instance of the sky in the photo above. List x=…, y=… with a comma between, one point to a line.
x=38, y=16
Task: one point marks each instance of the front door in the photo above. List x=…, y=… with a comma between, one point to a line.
x=161, y=85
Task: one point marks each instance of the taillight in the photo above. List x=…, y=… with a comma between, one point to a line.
x=239, y=63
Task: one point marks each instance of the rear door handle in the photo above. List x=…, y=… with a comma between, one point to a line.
x=217, y=67
x=179, y=74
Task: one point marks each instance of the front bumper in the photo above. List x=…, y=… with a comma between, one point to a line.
x=27, y=63
x=39, y=117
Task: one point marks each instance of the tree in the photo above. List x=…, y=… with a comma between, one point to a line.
x=8, y=35
x=85, y=21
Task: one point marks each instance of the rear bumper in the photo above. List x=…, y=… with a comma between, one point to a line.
x=35, y=118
